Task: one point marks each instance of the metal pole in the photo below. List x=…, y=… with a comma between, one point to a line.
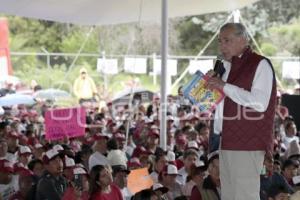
x=104, y=73
x=154, y=73
x=163, y=79
x=48, y=57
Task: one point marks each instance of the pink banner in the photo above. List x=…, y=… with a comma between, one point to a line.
x=67, y=122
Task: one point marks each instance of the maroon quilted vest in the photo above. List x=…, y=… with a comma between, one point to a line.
x=239, y=133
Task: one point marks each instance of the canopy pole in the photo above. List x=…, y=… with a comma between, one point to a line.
x=163, y=78
x=77, y=55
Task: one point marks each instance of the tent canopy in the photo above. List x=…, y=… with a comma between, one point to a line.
x=100, y=12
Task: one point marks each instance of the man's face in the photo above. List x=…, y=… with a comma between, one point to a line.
x=55, y=166
x=121, y=179
x=153, y=140
x=101, y=145
x=291, y=130
x=214, y=169
x=170, y=179
x=38, y=169
x=83, y=75
x=230, y=44
x=189, y=161
x=25, y=158
x=289, y=172
x=159, y=165
x=269, y=165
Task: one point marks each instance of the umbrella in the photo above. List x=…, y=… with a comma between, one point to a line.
x=123, y=96
x=15, y=99
x=52, y=94
x=9, y=79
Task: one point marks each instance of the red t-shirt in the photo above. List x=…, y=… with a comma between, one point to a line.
x=70, y=195
x=196, y=195
x=115, y=194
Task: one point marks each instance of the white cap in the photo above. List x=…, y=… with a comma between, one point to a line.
x=1, y=110
x=171, y=170
x=171, y=156
x=24, y=150
x=192, y=144
x=117, y=157
x=58, y=147
x=69, y=162
x=157, y=186
x=199, y=163
x=160, y=187
x=38, y=145
x=170, y=117
x=51, y=154
x=79, y=170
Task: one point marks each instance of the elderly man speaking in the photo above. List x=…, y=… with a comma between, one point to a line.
x=244, y=119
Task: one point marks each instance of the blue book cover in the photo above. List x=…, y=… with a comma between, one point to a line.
x=199, y=95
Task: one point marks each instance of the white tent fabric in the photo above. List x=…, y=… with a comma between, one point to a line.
x=98, y=12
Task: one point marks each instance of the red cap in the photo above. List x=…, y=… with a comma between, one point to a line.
x=99, y=136
x=23, y=139
x=138, y=151
x=134, y=162
x=110, y=123
x=25, y=172
x=24, y=114
x=120, y=137
x=13, y=134
x=153, y=133
x=19, y=168
x=33, y=113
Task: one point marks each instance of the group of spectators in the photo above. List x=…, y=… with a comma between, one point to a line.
x=97, y=165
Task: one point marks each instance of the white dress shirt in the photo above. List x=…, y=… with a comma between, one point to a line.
x=257, y=99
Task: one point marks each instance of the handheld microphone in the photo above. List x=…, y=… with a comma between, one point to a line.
x=219, y=67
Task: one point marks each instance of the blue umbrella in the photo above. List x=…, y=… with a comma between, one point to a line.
x=51, y=94
x=15, y=99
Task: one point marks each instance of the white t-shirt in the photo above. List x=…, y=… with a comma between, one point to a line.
x=126, y=193
x=287, y=141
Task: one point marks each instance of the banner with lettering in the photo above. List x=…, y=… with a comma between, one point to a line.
x=66, y=122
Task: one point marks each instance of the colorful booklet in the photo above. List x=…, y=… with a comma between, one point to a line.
x=200, y=95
